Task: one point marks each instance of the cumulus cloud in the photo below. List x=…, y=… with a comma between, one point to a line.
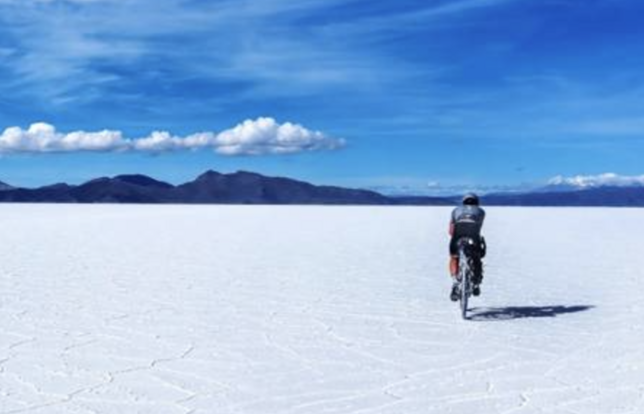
x=262, y=136
x=266, y=136
x=42, y=137
x=600, y=180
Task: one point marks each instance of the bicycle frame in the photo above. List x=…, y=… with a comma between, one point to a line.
x=465, y=273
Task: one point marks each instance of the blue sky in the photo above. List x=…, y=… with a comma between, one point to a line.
x=413, y=95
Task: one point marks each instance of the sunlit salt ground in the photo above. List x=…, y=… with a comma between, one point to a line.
x=211, y=309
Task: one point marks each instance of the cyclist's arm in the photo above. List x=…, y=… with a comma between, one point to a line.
x=452, y=222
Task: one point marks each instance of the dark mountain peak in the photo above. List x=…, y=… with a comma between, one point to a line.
x=98, y=180
x=209, y=175
x=250, y=177
x=56, y=186
x=142, y=180
x=246, y=187
x=129, y=188
x=242, y=173
x=247, y=178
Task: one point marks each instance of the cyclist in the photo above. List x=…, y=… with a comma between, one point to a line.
x=467, y=221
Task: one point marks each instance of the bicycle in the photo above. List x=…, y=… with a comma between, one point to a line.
x=467, y=248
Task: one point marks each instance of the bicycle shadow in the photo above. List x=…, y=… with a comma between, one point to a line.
x=524, y=312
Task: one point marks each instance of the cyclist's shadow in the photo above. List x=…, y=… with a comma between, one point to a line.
x=521, y=312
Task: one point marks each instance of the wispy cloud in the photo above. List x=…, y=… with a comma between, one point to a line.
x=65, y=47
x=68, y=50
x=426, y=17
x=619, y=126
x=262, y=136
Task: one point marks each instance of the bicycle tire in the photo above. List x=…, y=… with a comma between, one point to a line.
x=465, y=284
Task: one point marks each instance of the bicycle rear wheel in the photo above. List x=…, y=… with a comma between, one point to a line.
x=465, y=287
x=464, y=296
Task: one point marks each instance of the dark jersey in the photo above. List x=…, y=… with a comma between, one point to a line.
x=466, y=221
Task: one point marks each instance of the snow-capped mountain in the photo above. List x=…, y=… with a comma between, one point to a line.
x=607, y=189
x=586, y=182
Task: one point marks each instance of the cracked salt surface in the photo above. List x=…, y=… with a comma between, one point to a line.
x=229, y=309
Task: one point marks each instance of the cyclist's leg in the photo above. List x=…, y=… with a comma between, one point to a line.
x=453, y=257
x=477, y=271
x=455, y=292
x=477, y=261
x=453, y=266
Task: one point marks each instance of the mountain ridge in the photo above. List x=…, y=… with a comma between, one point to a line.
x=246, y=187
x=210, y=187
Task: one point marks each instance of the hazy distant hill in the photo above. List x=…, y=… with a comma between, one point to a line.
x=609, y=196
x=602, y=196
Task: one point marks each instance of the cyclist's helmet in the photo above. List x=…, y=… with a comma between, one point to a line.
x=471, y=199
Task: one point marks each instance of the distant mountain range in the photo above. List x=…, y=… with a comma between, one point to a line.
x=606, y=196
x=209, y=188
x=244, y=187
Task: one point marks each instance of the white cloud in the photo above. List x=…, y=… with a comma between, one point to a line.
x=42, y=137
x=266, y=136
x=158, y=141
x=600, y=180
x=252, y=137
